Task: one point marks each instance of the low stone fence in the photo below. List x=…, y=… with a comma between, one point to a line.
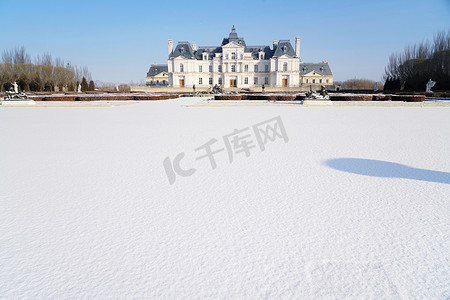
x=103, y=97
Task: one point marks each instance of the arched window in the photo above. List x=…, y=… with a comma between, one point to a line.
x=181, y=68
x=285, y=67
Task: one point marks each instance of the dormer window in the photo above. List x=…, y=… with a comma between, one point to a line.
x=261, y=56
x=181, y=50
x=284, y=48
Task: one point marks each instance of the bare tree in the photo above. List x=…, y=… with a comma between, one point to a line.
x=45, y=74
x=420, y=62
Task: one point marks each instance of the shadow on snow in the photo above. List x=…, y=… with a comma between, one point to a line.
x=379, y=168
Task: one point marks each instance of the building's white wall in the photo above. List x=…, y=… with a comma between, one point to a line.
x=274, y=73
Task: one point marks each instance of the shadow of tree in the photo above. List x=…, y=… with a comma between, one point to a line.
x=379, y=168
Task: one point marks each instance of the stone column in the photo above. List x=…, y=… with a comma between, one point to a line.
x=297, y=46
x=170, y=44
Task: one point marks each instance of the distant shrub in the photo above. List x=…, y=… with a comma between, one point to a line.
x=408, y=98
x=227, y=97
x=351, y=97
x=59, y=98
x=378, y=97
x=285, y=97
x=261, y=97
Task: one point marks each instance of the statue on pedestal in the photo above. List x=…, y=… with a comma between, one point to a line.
x=430, y=84
x=16, y=87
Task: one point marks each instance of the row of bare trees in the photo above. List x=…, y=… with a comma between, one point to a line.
x=359, y=84
x=45, y=74
x=412, y=68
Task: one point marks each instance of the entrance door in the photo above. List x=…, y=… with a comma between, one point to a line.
x=181, y=82
x=284, y=81
x=233, y=83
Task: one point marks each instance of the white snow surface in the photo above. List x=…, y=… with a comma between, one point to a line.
x=87, y=211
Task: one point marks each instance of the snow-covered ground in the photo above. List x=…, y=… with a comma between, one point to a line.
x=347, y=202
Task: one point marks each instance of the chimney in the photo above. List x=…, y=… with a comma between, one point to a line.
x=297, y=46
x=275, y=43
x=170, y=46
x=194, y=46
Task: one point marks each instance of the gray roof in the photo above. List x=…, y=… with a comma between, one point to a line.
x=184, y=49
x=156, y=69
x=322, y=68
x=233, y=37
x=284, y=47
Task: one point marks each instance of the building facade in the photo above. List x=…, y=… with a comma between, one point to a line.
x=316, y=74
x=157, y=75
x=234, y=64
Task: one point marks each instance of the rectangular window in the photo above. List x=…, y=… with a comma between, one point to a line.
x=266, y=68
x=246, y=68
x=200, y=80
x=220, y=80
x=266, y=80
x=210, y=69
x=246, y=80
x=314, y=81
x=327, y=81
x=210, y=80
x=200, y=68
x=233, y=68
x=306, y=80
x=261, y=56
x=226, y=56
x=255, y=80
x=233, y=55
x=220, y=68
x=256, y=68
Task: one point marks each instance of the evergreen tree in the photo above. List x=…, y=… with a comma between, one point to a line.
x=84, y=85
x=388, y=84
x=71, y=86
x=91, y=85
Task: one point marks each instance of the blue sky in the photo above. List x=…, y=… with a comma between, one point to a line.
x=118, y=40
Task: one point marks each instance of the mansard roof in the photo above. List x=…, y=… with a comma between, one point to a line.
x=322, y=68
x=210, y=50
x=284, y=47
x=233, y=37
x=156, y=69
x=183, y=49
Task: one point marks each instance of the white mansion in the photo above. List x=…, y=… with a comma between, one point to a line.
x=234, y=64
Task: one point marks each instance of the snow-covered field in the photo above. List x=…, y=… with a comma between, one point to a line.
x=347, y=202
